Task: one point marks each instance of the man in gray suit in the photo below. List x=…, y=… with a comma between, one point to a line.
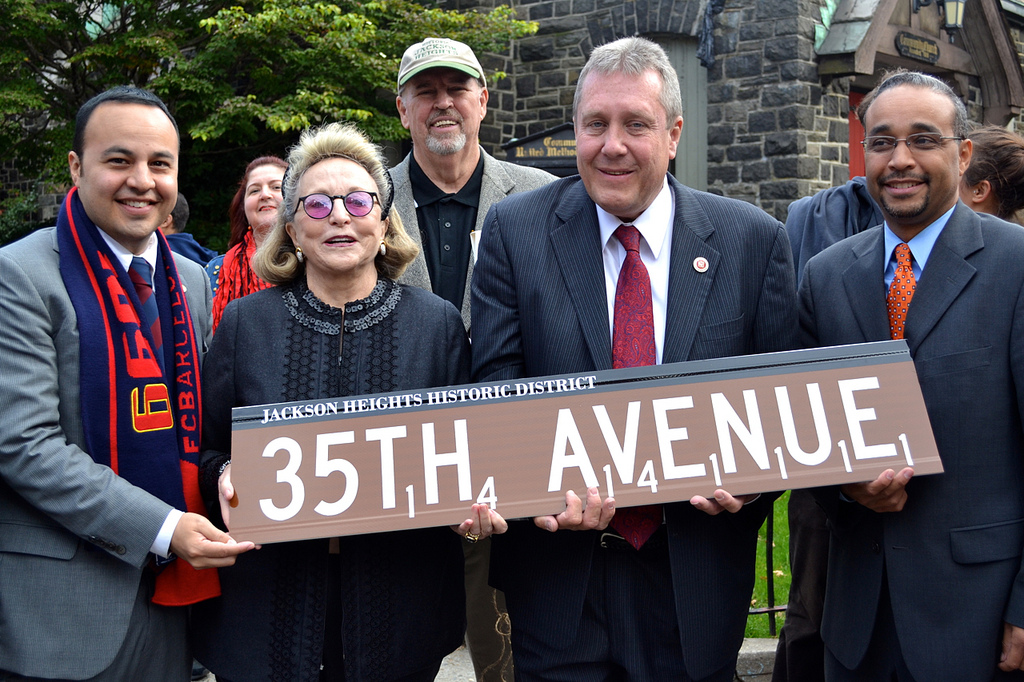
x=99, y=358
x=925, y=578
x=707, y=277
x=448, y=183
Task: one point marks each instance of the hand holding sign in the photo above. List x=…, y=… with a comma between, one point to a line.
x=887, y=493
x=203, y=545
x=722, y=501
x=596, y=515
x=483, y=522
x=226, y=494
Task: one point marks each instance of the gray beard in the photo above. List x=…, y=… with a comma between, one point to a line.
x=448, y=145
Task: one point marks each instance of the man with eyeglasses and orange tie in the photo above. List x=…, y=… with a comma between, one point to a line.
x=925, y=580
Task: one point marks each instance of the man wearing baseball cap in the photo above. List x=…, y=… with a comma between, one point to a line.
x=447, y=184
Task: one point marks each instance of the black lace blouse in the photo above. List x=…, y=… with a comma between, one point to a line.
x=402, y=595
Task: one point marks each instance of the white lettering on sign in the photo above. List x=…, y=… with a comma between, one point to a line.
x=856, y=416
x=684, y=438
x=789, y=427
x=752, y=437
x=487, y=494
x=325, y=466
x=387, y=437
x=459, y=459
x=667, y=436
x=623, y=453
x=285, y=475
x=567, y=435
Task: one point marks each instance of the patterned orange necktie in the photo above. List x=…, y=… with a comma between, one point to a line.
x=901, y=291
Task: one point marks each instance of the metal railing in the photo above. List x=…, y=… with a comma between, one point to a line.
x=769, y=563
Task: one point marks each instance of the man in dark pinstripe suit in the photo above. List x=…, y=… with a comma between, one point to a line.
x=587, y=605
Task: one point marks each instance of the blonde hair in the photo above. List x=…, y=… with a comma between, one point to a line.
x=275, y=261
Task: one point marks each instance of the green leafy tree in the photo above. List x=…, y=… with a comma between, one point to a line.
x=55, y=55
x=291, y=63
x=242, y=78
x=275, y=67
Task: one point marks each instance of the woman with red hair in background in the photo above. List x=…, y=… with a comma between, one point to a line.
x=252, y=213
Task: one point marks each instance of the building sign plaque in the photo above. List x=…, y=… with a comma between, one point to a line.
x=554, y=150
x=915, y=47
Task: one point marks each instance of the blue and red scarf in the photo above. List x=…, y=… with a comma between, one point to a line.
x=142, y=424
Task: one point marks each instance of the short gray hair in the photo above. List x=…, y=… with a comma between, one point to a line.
x=634, y=56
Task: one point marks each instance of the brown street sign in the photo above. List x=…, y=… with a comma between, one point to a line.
x=373, y=463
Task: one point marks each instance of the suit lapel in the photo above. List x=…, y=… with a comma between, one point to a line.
x=495, y=185
x=945, y=276
x=416, y=274
x=688, y=287
x=577, y=246
x=864, y=282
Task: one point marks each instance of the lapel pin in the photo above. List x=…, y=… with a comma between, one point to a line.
x=700, y=264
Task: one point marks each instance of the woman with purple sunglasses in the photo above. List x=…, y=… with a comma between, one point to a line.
x=385, y=606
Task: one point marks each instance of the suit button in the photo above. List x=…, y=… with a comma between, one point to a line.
x=120, y=550
x=876, y=548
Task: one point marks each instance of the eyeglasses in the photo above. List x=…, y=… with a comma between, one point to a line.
x=918, y=142
x=319, y=206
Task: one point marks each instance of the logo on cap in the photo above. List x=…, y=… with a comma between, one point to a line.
x=439, y=52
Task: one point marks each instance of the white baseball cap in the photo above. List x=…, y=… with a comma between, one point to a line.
x=439, y=52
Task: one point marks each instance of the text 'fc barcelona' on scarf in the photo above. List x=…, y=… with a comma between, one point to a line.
x=140, y=420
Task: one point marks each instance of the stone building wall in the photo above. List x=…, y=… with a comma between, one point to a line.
x=1016, y=26
x=774, y=132
x=12, y=183
x=543, y=68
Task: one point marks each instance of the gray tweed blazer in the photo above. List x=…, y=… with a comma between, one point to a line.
x=501, y=179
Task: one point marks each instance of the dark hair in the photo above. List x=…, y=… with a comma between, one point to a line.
x=124, y=94
x=898, y=77
x=180, y=214
x=236, y=211
x=998, y=157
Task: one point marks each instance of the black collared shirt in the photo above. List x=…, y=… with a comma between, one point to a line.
x=445, y=222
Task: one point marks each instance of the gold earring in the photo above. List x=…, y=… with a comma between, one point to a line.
x=298, y=254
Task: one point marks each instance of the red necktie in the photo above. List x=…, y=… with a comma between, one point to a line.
x=900, y=292
x=633, y=346
x=141, y=275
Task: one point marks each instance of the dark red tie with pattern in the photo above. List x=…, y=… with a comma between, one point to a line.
x=141, y=275
x=633, y=346
x=900, y=292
